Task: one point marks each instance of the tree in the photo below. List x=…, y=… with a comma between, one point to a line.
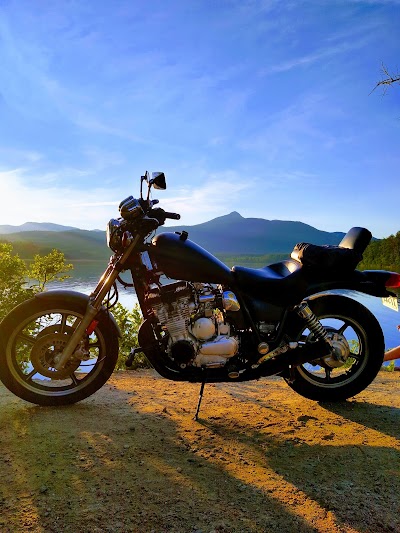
x=129, y=323
x=50, y=267
x=388, y=79
x=383, y=254
x=13, y=273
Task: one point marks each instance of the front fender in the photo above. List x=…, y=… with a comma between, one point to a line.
x=80, y=300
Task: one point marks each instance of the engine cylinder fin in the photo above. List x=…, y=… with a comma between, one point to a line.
x=194, y=319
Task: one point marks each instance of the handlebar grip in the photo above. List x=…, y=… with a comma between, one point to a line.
x=174, y=216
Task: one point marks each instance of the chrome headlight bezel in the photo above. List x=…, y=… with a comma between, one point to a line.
x=114, y=234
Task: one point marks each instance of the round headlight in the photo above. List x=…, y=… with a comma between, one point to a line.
x=114, y=235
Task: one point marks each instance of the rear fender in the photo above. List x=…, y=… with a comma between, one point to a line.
x=80, y=300
x=370, y=282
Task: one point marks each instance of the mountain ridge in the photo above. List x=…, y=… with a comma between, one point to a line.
x=253, y=235
x=7, y=229
x=228, y=234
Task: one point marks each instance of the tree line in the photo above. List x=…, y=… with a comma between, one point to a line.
x=382, y=255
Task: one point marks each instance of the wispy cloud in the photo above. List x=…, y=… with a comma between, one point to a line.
x=21, y=202
x=314, y=57
x=376, y=2
x=291, y=131
x=24, y=156
x=94, y=204
x=214, y=194
x=211, y=195
x=24, y=72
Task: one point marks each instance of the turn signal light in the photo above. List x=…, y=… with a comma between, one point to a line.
x=393, y=282
x=91, y=327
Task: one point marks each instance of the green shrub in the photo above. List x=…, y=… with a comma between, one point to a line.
x=129, y=323
x=389, y=367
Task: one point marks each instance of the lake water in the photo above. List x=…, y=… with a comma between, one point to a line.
x=86, y=275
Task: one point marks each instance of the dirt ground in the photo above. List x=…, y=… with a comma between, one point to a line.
x=260, y=458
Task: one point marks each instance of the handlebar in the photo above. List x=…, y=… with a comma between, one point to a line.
x=161, y=215
x=174, y=216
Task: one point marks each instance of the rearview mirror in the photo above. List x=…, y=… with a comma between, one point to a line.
x=158, y=180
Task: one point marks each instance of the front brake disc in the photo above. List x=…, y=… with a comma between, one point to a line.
x=45, y=354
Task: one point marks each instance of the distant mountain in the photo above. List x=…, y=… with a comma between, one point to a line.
x=234, y=234
x=76, y=244
x=229, y=234
x=33, y=226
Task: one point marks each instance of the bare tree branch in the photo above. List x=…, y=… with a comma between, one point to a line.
x=389, y=79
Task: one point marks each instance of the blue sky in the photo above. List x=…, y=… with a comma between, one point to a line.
x=258, y=106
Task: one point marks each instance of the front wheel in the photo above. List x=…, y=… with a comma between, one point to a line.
x=34, y=334
x=357, y=337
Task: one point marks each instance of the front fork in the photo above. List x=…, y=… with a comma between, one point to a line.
x=95, y=303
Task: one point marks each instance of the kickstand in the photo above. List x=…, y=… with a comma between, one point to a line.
x=196, y=416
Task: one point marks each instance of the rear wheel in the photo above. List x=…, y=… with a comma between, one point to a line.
x=358, y=341
x=34, y=335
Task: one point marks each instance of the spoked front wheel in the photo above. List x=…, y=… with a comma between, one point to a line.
x=358, y=343
x=33, y=337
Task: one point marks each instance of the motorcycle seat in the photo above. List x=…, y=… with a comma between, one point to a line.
x=281, y=279
x=343, y=257
x=286, y=281
x=276, y=271
x=356, y=239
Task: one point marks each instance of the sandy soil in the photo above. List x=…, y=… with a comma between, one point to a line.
x=261, y=458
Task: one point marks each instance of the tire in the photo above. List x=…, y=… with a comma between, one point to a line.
x=364, y=337
x=30, y=336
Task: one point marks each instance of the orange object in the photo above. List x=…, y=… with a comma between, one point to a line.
x=394, y=353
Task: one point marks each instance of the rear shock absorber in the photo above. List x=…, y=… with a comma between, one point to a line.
x=314, y=325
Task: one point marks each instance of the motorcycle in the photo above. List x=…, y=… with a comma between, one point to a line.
x=202, y=321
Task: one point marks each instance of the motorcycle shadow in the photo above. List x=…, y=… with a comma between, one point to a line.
x=128, y=466
x=382, y=418
x=356, y=485
x=136, y=461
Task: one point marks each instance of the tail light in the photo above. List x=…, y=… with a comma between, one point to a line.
x=393, y=282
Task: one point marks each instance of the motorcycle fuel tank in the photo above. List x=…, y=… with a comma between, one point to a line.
x=180, y=258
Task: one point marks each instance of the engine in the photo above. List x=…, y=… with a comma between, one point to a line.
x=193, y=315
